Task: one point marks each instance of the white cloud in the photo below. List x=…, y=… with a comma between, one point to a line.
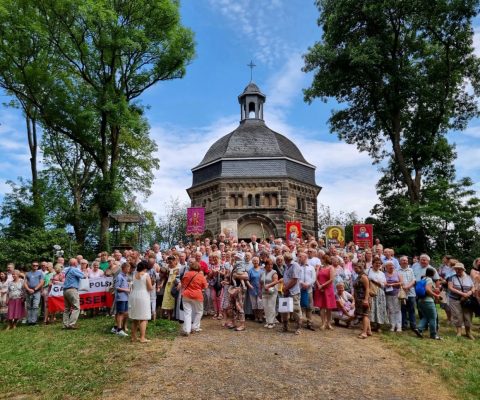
x=472, y=131
x=347, y=176
x=260, y=24
x=285, y=86
x=476, y=41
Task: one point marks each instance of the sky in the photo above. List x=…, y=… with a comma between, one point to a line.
x=187, y=116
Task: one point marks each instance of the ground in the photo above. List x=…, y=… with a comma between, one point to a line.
x=259, y=364
x=46, y=362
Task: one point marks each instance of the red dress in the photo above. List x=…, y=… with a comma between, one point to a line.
x=324, y=298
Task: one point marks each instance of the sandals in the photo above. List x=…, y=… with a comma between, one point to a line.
x=298, y=332
x=362, y=336
x=239, y=329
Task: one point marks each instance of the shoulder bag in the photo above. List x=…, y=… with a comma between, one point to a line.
x=372, y=286
x=471, y=302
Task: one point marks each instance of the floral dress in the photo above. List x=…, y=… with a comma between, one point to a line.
x=378, y=309
x=3, y=298
x=168, y=302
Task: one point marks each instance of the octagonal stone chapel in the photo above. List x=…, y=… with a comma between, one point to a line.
x=256, y=176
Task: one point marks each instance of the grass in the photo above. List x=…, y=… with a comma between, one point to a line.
x=455, y=360
x=48, y=362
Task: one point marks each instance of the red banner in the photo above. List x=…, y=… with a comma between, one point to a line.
x=98, y=295
x=195, y=220
x=87, y=301
x=363, y=235
x=293, y=231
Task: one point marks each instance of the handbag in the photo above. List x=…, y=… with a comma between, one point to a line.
x=401, y=294
x=304, y=299
x=174, y=291
x=84, y=285
x=372, y=287
x=218, y=285
x=285, y=305
x=471, y=302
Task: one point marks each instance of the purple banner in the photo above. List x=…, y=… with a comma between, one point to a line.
x=195, y=220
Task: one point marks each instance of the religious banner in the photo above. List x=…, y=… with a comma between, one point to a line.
x=229, y=228
x=195, y=220
x=293, y=231
x=335, y=236
x=363, y=235
x=97, y=295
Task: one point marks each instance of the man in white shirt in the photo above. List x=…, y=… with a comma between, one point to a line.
x=307, y=279
x=313, y=260
x=158, y=253
x=253, y=244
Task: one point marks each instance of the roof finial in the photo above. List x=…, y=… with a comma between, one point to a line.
x=252, y=66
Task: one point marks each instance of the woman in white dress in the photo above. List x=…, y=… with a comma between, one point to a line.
x=139, y=310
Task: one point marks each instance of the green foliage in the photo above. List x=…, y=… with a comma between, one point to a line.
x=83, y=65
x=23, y=248
x=447, y=214
x=401, y=69
x=172, y=227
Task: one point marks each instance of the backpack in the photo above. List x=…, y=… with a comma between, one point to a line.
x=421, y=288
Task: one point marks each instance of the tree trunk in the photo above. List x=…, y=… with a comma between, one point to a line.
x=78, y=224
x=33, y=147
x=104, y=244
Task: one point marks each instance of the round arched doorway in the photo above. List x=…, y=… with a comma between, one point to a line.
x=255, y=224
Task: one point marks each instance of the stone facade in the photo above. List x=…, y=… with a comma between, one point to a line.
x=257, y=177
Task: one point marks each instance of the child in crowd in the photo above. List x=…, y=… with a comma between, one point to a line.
x=123, y=289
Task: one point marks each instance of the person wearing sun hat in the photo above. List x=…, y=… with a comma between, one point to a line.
x=460, y=287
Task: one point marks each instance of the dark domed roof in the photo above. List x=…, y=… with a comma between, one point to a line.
x=252, y=139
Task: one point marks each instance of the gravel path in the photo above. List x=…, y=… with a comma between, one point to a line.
x=267, y=364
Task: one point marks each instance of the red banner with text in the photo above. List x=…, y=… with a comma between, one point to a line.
x=363, y=235
x=98, y=295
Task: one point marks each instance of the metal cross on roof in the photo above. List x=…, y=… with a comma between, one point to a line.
x=252, y=66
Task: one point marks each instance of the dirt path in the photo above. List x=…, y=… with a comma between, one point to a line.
x=260, y=364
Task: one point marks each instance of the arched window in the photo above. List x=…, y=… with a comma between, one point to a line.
x=251, y=110
x=266, y=200
x=257, y=200
x=250, y=200
x=274, y=201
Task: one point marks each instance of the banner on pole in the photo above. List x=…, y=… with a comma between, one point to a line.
x=98, y=295
x=293, y=231
x=335, y=235
x=229, y=228
x=195, y=220
x=363, y=235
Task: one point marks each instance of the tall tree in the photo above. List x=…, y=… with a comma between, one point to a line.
x=71, y=173
x=401, y=70
x=102, y=55
x=172, y=226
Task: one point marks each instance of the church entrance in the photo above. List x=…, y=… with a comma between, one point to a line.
x=255, y=224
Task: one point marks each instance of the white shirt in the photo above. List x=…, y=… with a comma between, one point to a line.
x=307, y=275
x=314, y=261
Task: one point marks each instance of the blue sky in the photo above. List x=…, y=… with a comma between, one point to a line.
x=188, y=115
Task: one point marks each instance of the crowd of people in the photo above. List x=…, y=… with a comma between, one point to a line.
x=267, y=281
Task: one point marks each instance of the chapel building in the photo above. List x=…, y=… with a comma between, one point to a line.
x=255, y=176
